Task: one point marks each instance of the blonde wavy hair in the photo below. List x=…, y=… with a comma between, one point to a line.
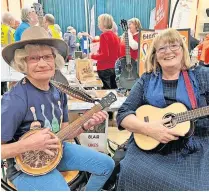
x=19, y=63
x=106, y=20
x=166, y=36
x=136, y=22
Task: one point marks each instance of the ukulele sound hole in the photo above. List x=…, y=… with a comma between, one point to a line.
x=172, y=123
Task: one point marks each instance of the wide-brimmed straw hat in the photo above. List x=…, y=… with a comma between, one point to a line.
x=34, y=35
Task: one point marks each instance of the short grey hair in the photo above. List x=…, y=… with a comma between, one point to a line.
x=69, y=28
x=7, y=17
x=25, y=14
x=19, y=63
x=50, y=18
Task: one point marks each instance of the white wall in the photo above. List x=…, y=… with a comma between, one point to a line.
x=14, y=6
x=185, y=14
x=201, y=18
x=29, y=2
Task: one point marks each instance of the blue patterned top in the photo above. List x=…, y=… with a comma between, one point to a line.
x=25, y=107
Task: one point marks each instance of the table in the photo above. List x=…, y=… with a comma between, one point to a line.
x=77, y=106
x=96, y=83
x=8, y=74
x=12, y=77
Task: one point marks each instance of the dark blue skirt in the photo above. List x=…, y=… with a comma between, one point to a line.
x=145, y=171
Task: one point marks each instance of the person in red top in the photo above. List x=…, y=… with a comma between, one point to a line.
x=108, y=52
x=134, y=25
x=203, y=51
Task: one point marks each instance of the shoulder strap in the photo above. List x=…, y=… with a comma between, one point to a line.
x=190, y=90
x=147, y=78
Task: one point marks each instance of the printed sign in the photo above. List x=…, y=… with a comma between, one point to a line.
x=84, y=69
x=161, y=14
x=145, y=40
x=96, y=138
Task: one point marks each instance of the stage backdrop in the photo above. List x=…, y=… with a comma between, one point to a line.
x=146, y=37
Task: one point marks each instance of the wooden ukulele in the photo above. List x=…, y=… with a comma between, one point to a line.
x=180, y=121
x=128, y=66
x=38, y=162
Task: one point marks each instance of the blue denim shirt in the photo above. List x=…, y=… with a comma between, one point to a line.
x=22, y=27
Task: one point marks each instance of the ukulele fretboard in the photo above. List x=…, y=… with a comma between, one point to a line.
x=193, y=114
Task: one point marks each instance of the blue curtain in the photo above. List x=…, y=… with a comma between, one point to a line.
x=66, y=13
x=127, y=9
x=72, y=12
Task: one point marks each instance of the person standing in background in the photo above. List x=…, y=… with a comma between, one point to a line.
x=203, y=50
x=29, y=18
x=49, y=22
x=109, y=51
x=70, y=39
x=134, y=25
x=7, y=31
x=7, y=37
x=84, y=40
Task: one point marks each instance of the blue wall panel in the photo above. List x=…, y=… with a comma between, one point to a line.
x=66, y=13
x=126, y=9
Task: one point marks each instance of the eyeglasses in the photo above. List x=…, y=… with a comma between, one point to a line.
x=172, y=47
x=36, y=59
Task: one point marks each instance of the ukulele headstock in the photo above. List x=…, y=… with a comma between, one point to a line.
x=124, y=25
x=108, y=100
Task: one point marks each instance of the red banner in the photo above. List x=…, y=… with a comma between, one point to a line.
x=161, y=14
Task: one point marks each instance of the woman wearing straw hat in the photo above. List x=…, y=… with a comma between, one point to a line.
x=35, y=99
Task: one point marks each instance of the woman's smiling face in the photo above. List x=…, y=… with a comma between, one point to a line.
x=169, y=54
x=40, y=63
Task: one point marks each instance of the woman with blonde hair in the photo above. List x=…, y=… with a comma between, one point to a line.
x=34, y=102
x=181, y=164
x=134, y=25
x=108, y=52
